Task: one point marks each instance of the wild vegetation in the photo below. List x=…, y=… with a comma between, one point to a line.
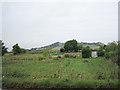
x=3, y=48
x=60, y=69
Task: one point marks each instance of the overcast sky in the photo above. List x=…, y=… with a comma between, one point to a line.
x=39, y=24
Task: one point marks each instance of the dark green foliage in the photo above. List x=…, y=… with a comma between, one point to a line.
x=62, y=50
x=41, y=58
x=4, y=49
x=0, y=47
x=111, y=47
x=119, y=53
x=71, y=46
x=17, y=50
x=86, y=52
x=112, y=52
x=109, y=54
x=80, y=47
x=100, y=52
x=104, y=46
x=23, y=50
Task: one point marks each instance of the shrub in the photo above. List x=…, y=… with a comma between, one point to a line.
x=111, y=47
x=3, y=47
x=23, y=50
x=41, y=58
x=109, y=54
x=100, y=53
x=80, y=47
x=62, y=49
x=112, y=51
x=86, y=53
x=66, y=55
x=17, y=50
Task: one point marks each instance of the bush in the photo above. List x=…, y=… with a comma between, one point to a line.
x=40, y=58
x=62, y=50
x=17, y=50
x=100, y=53
x=112, y=51
x=23, y=50
x=80, y=47
x=109, y=55
x=86, y=52
x=66, y=55
x=3, y=48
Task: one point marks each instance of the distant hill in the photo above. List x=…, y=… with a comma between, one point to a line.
x=58, y=45
x=92, y=45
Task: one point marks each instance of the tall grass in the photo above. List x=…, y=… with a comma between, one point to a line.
x=65, y=72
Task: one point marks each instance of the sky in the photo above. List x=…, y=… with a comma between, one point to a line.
x=40, y=24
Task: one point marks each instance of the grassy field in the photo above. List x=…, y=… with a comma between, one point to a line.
x=28, y=71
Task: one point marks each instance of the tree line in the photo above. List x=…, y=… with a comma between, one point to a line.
x=109, y=51
x=16, y=49
x=72, y=46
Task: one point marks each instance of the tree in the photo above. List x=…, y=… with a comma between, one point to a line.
x=62, y=50
x=80, y=47
x=111, y=47
x=100, y=52
x=71, y=46
x=86, y=52
x=0, y=47
x=16, y=49
x=112, y=52
x=119, y=53
x=104, y=46
x=4, y=49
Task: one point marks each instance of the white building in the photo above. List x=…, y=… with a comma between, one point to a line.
x=94, y=54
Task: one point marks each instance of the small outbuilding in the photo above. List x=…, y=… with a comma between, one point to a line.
x=94, y=54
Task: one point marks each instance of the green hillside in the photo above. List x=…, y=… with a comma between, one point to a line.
x=58, y=45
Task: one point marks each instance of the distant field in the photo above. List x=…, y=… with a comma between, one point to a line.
x=27, y=71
